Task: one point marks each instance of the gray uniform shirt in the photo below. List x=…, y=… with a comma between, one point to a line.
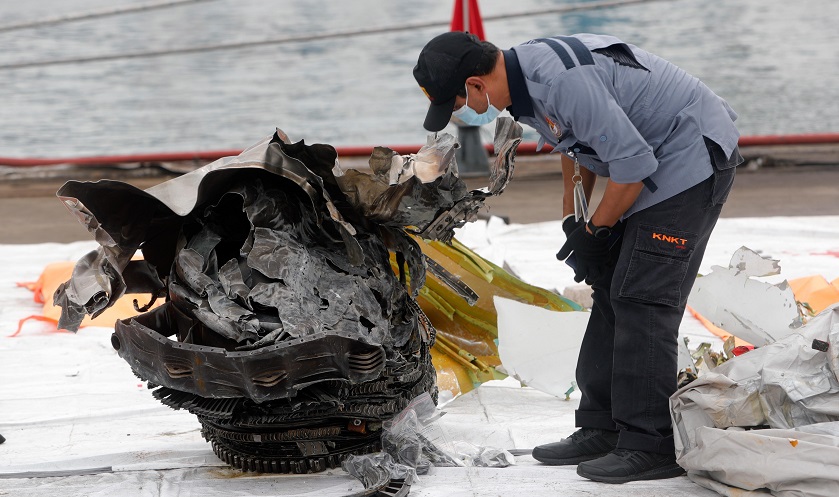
x=629, y=115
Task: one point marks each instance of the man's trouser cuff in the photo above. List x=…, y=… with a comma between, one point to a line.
x=594, y=419
x=648, y=443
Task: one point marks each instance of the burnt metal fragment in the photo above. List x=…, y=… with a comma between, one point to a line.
x=378, y=479
x=284, y=328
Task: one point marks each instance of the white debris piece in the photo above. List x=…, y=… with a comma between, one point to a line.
x=746, y=260
x=580, y=294
x=758, y=312
x=539, y=347
x=786, y=462
x=685, y=358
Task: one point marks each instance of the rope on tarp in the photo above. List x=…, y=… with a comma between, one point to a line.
x=97, y=14
x=318, y=37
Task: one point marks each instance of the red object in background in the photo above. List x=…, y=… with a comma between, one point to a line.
x=742, y=349
x=475, y=24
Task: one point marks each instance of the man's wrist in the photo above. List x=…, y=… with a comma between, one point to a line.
x=598, y=221
x=599, y=232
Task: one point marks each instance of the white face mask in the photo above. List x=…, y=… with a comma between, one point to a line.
x=469, y=116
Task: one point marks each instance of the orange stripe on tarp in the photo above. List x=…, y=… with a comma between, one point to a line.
x=35, y=317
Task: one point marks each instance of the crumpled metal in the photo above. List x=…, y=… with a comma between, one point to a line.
x=422, y=192
x=277, y=243
x=785, y=384
x=124, y=219
x=282, y=307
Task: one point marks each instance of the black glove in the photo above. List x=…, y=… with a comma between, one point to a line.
x=591, y=254
x=570, y=224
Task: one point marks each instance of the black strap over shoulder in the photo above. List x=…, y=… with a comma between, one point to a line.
x=560, y=51
x=580, y=51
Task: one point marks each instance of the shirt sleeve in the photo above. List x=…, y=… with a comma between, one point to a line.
x=586, y=107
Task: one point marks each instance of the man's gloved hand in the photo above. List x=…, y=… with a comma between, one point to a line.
x=569, y=224
x=591, y=254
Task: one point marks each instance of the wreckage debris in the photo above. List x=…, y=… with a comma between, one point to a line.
x=752, y=310
x=738, y=427
x=284, y=328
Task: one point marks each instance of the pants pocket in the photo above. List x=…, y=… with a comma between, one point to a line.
x=723, y=181
x=724, y=170
x=658, y=266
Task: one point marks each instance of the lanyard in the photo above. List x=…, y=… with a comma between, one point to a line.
x=580, y=204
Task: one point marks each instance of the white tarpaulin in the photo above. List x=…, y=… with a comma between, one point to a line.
x=791, y=463
x=69, y=402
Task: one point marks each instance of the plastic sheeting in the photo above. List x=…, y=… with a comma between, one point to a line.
x=791, y=386
x=413, y=443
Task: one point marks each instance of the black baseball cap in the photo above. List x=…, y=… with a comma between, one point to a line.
x=441, y=71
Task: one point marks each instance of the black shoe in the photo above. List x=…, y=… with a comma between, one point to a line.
x=623, y=465
x=584, y=444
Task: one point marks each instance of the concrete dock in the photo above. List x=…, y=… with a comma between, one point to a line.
x=774, y=181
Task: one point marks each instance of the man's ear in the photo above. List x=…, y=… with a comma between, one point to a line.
x=477, y=82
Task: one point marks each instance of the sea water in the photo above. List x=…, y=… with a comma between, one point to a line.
x=775, y=61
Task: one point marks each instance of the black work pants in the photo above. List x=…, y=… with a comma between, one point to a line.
x=627, y=366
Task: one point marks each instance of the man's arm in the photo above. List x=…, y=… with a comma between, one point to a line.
x=617, y=199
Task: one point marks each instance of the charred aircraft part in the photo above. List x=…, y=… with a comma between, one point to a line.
x=398, y=193
x=284, y=328
x=378, y=479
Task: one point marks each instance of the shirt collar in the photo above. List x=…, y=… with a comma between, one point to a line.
x=521, y=104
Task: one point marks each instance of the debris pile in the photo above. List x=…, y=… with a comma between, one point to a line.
x=773, y=398
x=284, y=328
